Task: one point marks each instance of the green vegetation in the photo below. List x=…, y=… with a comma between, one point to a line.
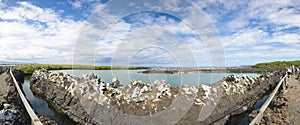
x=29, y=69
x=277, y=64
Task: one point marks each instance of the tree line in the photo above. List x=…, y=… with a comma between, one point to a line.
x=30, y=68
x=277, y=64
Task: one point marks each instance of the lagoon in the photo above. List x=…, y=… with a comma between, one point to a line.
x=125, y=76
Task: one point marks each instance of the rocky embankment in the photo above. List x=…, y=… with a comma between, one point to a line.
x=3, y=69
x=88, y=100
x=277, y=111
x=12, y=111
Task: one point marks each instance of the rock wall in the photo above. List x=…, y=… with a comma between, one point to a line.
x=12, y=110
x=237, y=94
x=19, y=75
x=88, y=100
x=276, y=113
x=3, y=69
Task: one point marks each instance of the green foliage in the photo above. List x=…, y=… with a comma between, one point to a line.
x=277, y=64
x=29, y=69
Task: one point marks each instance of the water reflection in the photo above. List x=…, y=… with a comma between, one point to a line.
x=41, y=106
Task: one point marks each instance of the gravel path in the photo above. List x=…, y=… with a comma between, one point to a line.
x=4, y=86
x=294, y=101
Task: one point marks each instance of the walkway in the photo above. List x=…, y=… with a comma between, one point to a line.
x=294, y=100
x=4, y=86
x=10, y=103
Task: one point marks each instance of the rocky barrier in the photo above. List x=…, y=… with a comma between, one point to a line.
x=19, y=75
x=88, y=100
x=12, y=111
x=3, y=69
x=277, y=112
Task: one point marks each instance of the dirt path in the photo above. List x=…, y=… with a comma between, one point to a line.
x=294, y=101
x=4, y=86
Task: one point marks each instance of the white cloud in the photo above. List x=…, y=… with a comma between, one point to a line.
x=255, y=43
x=280, y=13
x=121, y=31
x=248, y=30
x=33, y=34
x=2, y=4
x=81, y=4
x=287, y=38
x=245, y=28
x=256, y=29
x=76, y=4
x=244, y=38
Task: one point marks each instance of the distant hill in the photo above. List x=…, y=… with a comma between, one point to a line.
x=277, y=64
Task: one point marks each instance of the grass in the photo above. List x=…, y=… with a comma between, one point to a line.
x=30, y=68
x=277, y=64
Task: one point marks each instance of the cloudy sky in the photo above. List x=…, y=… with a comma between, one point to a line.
x=151, y=33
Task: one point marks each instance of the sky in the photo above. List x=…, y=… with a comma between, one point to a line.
x=149, y=33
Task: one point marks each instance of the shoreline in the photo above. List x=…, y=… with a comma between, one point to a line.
x=209, y=70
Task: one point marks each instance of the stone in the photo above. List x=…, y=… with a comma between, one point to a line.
x=8, y=116
x=115, y=82
x=145, y=89
x=6, y=106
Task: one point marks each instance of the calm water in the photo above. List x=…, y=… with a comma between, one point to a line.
x=125, y=76
x=40, y=106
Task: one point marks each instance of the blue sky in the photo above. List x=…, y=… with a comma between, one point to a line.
x=93, y=31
